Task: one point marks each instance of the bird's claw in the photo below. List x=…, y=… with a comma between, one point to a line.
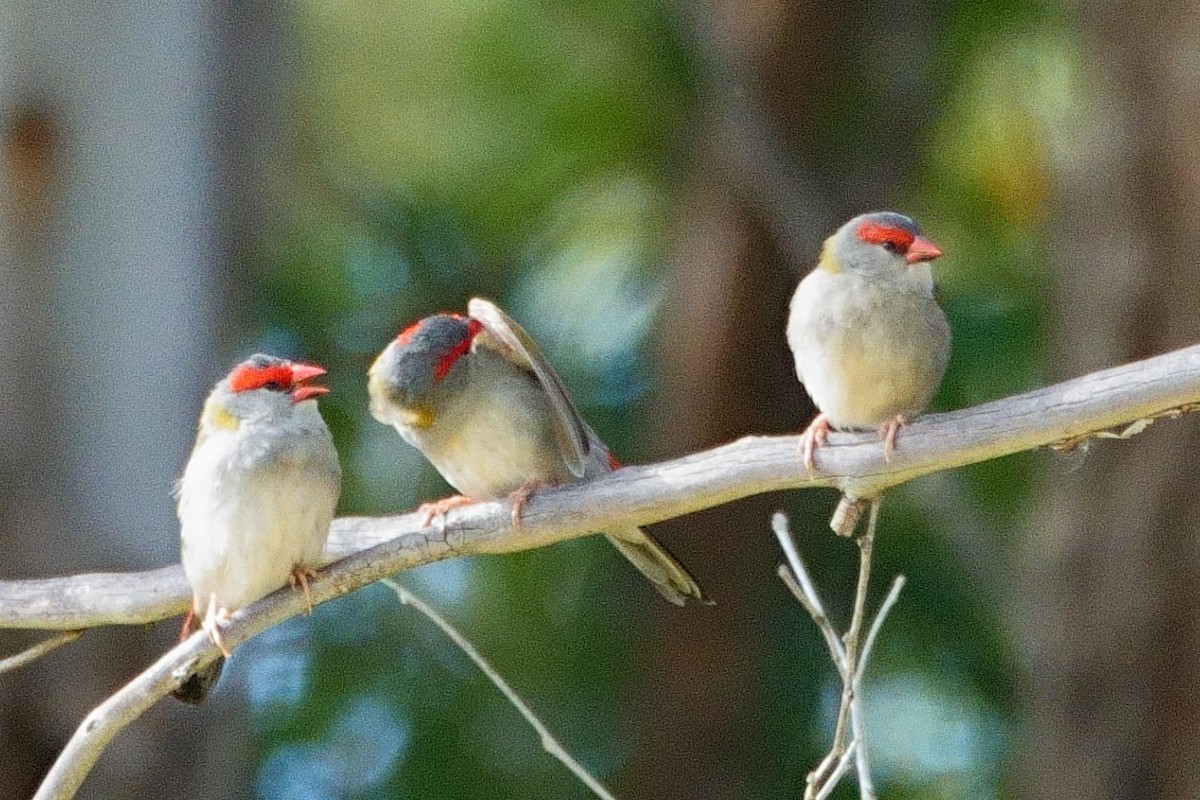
x=299, y=577
x=212, y=624
x=814, y=436
x=888, y=431
x=519, y=497
x=437, y=510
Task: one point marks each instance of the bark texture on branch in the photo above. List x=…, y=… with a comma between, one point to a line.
x=1068, y=412
x=1127, y=396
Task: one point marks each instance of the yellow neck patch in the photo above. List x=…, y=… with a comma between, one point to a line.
x=828, y=262
x=217, y=416
x=417, y=417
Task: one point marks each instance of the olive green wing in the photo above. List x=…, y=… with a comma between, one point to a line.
x=511, y=340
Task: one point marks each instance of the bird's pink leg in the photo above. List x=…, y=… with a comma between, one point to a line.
x=813, y=437
x=188, y=622
x=520, y=496
x=212, y=624
x=300, y=576
x=888, y=431
x=437, y=509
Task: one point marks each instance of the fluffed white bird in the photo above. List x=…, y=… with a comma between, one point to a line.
x=258, y=493
x=870, y=341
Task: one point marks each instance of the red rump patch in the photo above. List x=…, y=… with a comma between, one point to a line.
x=873, y=232
x=613, y=462
x=474, y=326
x=248, y=377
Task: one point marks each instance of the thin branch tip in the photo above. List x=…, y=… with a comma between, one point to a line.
x=31, y=654
x=549, y=743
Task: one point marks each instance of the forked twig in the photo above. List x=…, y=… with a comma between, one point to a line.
x=866, y=786
x=848, y=657
x=839, y=770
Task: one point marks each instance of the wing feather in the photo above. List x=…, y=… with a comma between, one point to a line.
x=511, y=340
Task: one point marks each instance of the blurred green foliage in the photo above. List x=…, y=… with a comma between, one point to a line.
x=531, y=152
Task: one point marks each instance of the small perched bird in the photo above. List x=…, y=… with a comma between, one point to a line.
x=257, y=496
x=868, y=336
x=475, y=396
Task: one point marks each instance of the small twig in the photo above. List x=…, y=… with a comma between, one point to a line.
x=38, y=650
x=549, y=743
x=1127, y=431
x=839, y=771
x=779, y=524
x=834, y=642
x=862, y=764
x=866, y=786
x=885, y=608
x=801, y=585
x=848, y=656
x=866, y=544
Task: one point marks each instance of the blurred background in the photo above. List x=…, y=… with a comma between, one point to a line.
x=641, y=183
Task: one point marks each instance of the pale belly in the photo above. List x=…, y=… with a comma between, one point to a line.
x=491, y=449
x=870, y=357
x=242, y=535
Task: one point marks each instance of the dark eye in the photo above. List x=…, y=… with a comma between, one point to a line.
x=891, y=247
x=274, y=386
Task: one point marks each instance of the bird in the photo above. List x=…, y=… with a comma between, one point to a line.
x=475, y=396
x=257, y=495
x=869, y=339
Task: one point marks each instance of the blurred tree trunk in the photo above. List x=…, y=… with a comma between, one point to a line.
x=1111, y=605
x=116, y=153
x=761, y=196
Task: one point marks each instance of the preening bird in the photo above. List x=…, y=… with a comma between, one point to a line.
x=869, y=339
x=475, y=396
x=258, y=493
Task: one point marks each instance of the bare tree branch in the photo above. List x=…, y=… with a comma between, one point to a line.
x=1068, y=412
x=1065, y=414
x=108, y=719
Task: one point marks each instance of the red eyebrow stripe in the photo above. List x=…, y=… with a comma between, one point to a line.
x=245, y=379
x=878, y=233
x=408, y=332
x=474, y=326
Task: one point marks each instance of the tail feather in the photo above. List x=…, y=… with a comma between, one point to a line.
x=196, y=686
x=648, y=555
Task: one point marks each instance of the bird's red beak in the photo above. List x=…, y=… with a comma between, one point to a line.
x=302, y=373
x=922, y=249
